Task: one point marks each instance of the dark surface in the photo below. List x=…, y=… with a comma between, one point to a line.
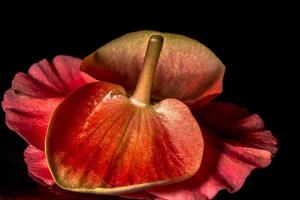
x=255, y=45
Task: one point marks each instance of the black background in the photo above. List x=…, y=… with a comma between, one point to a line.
x=256, y=43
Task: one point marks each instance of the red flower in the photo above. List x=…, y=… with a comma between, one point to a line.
x=236, y=141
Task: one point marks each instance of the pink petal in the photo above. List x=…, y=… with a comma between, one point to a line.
x=33, y=97
x=37, y=165
x=237, y=125
x=235, y=144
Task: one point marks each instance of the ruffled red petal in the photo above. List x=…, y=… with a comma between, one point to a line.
x=37, y=165
x=235, y=144
x=237, y=125
x=33, y=97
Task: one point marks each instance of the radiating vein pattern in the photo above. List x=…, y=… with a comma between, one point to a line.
x=107, y=142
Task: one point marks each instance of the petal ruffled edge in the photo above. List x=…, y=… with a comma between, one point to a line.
x=228, y=159
x=33, y=96
x=37, y=165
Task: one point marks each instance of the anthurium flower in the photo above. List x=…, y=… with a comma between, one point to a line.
x=137, y=121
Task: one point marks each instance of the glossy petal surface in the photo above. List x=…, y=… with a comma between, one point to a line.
x=187, y=70
x=110, y=145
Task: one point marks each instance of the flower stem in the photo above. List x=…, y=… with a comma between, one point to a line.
x=143, y=89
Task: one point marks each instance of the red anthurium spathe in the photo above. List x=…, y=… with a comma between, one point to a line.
x=141, y=146
x=235, y=142
x=112, y=144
